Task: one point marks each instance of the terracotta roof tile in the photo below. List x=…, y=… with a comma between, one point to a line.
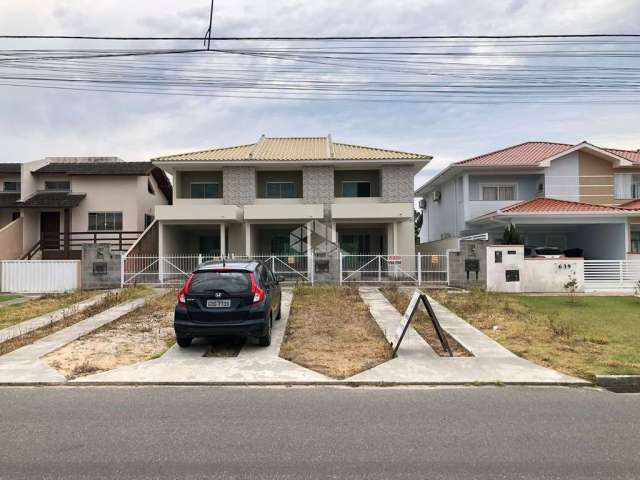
x=632, y=205
x=292, y=149
x=552, y=205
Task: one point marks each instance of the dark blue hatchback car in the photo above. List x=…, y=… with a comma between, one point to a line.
x=228, y=298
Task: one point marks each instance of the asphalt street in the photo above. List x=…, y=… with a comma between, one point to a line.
x=286, y=433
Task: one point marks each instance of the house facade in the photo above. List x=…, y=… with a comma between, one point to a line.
x=289, y=196
x=63, y=202
x=580, y=197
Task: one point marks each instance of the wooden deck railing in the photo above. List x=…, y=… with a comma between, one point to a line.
x=118, y=240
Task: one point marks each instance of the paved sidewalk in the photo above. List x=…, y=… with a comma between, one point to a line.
x=253, y=365
x=491, y=363
x=25, y=365
x=47, y=319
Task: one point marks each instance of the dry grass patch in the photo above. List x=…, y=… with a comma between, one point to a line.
x=422, y=323
x=581, y=336
x=331, y=331
x=13, y=314
x=111, y=299
x=143, y=334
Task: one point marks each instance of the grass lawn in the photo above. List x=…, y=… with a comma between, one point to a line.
x=6, y=298
x=12, y=314
x=140, y=335
x=111, y=299
x=330, y=330
x=582, y=336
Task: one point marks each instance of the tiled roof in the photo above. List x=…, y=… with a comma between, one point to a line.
x=9, y=168
x=53, y=200
x=552, y=205
x=294, y=149
x=98, y=168
x=632, y=205
x=9, y=200
x=530, y=154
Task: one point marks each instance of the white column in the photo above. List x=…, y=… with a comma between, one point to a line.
x=627, y=237
x=160, y=252
x=334, y=233
x=223, y=240
x=247, y=238
x=395, y=238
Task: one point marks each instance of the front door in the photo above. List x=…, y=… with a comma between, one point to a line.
x=50, y=230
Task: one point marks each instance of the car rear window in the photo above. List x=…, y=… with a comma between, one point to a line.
x=229, y=281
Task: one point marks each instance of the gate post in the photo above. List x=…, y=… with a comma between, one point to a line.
x=122, y=260
x=379, y=268
x=340, y=266
x=311, y=267
x=419, y=268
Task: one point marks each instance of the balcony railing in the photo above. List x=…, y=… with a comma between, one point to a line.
x=66, y=241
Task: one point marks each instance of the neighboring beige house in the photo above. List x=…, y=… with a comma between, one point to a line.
x=286, y=195
x=67, y=201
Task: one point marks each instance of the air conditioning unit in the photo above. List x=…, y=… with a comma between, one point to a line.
x=437, y=196
x=422, y=204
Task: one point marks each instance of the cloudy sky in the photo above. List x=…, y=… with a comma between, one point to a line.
x=36, y=122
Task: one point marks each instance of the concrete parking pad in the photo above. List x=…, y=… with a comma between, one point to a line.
x=491, y=363
x=24, y=365
x=253, y=365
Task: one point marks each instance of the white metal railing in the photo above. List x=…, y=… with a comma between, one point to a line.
x=611, y=274
x=172, y=270
x=417, y=269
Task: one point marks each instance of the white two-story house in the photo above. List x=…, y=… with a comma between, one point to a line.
x=285, y=196
x=580, y=197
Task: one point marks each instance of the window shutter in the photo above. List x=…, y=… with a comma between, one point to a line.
x=623, y=182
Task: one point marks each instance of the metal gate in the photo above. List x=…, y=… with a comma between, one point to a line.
x=173, y=270
x=419, y=269
x=611, y=274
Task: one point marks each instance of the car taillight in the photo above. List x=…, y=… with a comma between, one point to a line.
x=258, y=293
x=184, y=290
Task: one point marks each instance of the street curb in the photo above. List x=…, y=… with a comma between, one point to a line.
x=619, y=383
x=77, y=383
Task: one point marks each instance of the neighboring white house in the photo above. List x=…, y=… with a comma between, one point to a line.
x=288, y=195
x=580, y=197
x=62, y=202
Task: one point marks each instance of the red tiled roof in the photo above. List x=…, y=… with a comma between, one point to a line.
x=530, y=154
x=552, y=205
x=632, y=205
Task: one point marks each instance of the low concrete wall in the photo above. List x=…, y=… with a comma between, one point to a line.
x=11, y=240
x=509, y=271
x=101, y=268
x=468, y=267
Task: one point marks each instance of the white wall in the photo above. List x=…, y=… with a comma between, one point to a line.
x=562, y=178
x=446, y=216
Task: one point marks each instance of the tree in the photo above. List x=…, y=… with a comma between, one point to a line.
x=417, y=224
x=511, y=235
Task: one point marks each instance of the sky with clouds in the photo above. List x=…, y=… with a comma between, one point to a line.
x=35, y=123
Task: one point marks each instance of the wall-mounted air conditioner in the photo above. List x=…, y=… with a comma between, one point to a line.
x=437, y=196
x=422, y=204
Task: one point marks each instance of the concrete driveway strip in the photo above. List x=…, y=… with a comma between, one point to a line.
x=253, y=365
x=491, y=363
x=24, y=365
x=47, y=319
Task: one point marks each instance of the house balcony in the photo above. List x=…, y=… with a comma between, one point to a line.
x=369, y=208
x=198, y=210
x=283, y=209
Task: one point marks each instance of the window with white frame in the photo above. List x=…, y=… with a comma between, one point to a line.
x=105, y=221
x=496, y=192
x=635, y=238
x=205, y=190
x=11, y=186
x=356, y=189
x=281, y=190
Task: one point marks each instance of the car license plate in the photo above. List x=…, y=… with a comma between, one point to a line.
x=218, y=303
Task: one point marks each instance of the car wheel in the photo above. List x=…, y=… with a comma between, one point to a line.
x=184, y=342
x=266, y=340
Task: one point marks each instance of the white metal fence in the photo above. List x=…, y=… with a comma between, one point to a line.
x=416, y=269
x=173, y=270
x=611, y=274
x=39, y=276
